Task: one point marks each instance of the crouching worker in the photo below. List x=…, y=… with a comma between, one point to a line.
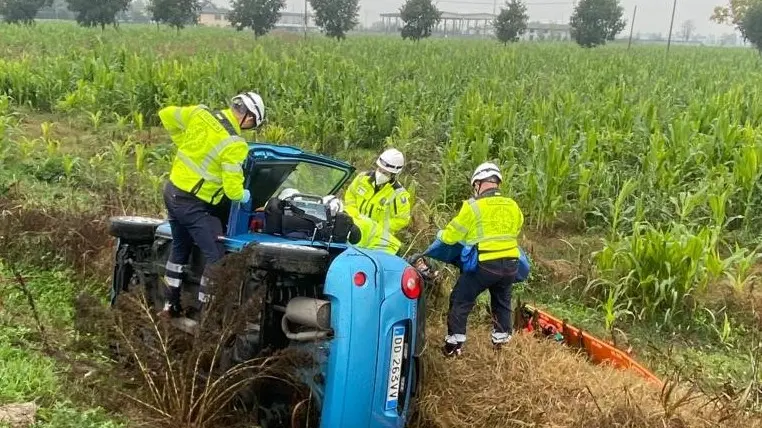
x=364, y=232
x=483, y=241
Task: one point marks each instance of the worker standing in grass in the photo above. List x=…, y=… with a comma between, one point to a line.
x=378, y=195
x=485, y=234
x=207, y=168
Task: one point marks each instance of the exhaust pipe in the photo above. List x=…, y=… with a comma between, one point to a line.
x=308, y=312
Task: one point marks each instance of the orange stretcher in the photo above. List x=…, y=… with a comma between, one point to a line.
x=530, y=319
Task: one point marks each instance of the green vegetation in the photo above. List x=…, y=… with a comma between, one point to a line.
x=639, y=177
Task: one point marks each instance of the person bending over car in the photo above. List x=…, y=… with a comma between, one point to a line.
x=484, y=235
x=371, y=233
x=379, y=196
x=207, y=168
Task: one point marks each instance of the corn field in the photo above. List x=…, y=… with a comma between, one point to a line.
x=660, y=157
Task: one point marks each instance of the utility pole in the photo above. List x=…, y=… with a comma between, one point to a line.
x=632, y=26
x=305, y=19
x=671, y=23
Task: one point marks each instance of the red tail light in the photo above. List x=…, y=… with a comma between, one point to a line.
x=256, y=225
x=360, y=279
x=412, y=283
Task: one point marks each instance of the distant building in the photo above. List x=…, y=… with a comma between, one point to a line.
x=214, y=16
x=478, y=24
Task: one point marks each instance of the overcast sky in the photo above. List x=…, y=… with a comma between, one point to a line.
x=653, y=16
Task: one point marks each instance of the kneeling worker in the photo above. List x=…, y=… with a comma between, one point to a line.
x=379, y=196
x=486, y=230
x=371, y=234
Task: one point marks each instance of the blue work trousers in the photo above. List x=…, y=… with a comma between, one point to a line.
x=498, y=277
x=192, y=221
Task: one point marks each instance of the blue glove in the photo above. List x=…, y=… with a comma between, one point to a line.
x=246, y=196
x=438, y=250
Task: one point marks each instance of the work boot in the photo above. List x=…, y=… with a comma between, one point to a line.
x=452, y=349
x=171, y=311
x=172, y=307
x=499, y=339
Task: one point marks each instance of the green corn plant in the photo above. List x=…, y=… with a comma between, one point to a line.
x=140, y=158
x=47, y=129
x=26, y=147
x=718, y=204
x=137, y=120
x=742, y=261
x=613, y=307
x=619, y=210
x=69, y=163
x=120, y=124
x=747, y=173
x=95, y=119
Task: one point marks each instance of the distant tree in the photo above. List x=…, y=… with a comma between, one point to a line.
x=419, y=17
x=259, y=15
x=752, y=24
x=594, y=22
x=336, y=17
x=512, y=21
x=175, y=13
x=733, y=13
x=22, y=11
x=687, y=29
x=91, y=13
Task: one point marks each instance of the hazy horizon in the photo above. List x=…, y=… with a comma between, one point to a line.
x=653, y=16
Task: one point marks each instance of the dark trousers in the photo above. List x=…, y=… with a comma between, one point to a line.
x=192, y=221
x=497, y=276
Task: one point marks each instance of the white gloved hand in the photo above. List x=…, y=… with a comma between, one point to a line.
x=246, y=196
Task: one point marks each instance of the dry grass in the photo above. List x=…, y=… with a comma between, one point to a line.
x=535, y=383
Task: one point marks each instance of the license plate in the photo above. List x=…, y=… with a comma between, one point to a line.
x=395, y=368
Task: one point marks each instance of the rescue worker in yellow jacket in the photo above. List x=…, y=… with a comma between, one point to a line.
x=487, y=229
x=378, y=195
x=207, y=168
x=372, y=236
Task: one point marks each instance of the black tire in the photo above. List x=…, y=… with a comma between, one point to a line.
x=133, y=229
x=416, y=393
x=288, y=258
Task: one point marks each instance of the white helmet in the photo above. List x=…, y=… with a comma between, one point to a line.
x=253, y=103
x=287, y=193
x=391, y=161
x=334, y=204
x=485, y=171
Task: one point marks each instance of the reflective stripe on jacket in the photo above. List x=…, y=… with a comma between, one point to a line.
x=389, y=206
x=492, y=222
x=210, y=152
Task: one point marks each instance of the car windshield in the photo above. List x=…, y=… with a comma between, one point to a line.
x=312, y=179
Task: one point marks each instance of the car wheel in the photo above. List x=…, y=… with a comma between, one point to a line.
x=417, y=384
x=288, y=258
x=133, y=229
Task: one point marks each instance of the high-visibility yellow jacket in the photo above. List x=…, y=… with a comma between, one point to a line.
x=389, y=206
x=210, y=152
x=373, y=235
x=491, y=221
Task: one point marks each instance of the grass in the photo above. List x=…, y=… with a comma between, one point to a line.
x=31, y=368
x=639, y=178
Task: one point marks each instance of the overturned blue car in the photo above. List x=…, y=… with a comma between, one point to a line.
x=359, y=312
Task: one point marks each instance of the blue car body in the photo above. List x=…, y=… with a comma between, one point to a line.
x=371, y=363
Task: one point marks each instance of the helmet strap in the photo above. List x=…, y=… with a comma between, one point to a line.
x=245, y=116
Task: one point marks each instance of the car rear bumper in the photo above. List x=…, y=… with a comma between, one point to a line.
x=370, y=356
